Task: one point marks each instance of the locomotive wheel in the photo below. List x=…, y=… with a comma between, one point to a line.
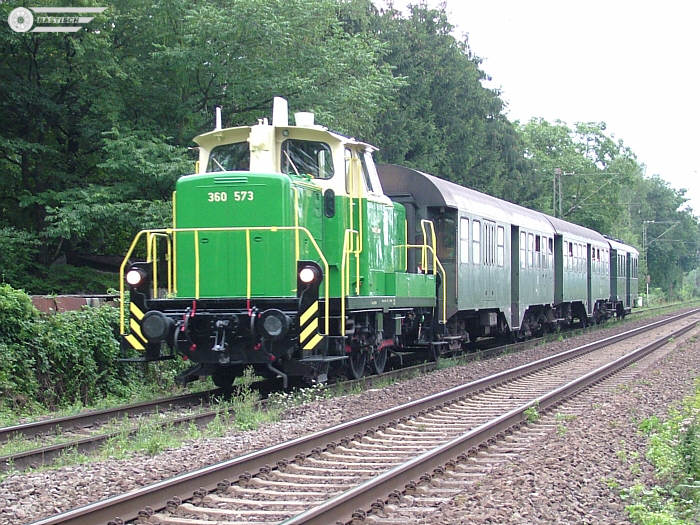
x=379, y=361
x=356, y=364
x=223, y=380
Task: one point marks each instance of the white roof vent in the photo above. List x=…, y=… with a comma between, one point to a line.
x=304, y=119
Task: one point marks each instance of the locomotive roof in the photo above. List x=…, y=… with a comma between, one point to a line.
x=428, y=190
x=581, y=232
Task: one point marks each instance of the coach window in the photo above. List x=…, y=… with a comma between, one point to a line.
x=570, y=258
x=476, y=242
x=446, y=237
x=501, y=245
x=579, y=253
x=550, y=252
x=538, y=251
x=523, y=250
x=464, y=240
x=531, y=250
x=606, y=261
x=578, y=258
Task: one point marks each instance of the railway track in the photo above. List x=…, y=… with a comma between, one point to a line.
x=75, y=427
x=328, y=475
x=83, y=437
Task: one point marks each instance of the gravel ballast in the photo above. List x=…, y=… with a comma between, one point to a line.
x=27, y=497
x=576, y=473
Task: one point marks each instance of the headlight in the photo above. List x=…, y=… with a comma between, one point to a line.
x=274, y=324
x=308, y=274
x=135, y=277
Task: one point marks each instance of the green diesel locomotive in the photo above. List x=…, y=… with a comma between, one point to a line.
x=285, y=255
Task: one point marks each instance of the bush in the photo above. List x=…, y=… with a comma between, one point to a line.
x=674, y=450
x=75, y=358
x=17, y=320
x=59, y=359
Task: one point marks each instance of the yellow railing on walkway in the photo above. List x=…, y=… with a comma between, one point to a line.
x=168, y=233
x=437, y=265
x=345, y=274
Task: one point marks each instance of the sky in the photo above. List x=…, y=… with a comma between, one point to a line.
x=633, y=64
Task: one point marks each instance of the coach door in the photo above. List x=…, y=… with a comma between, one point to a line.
x=490, y=273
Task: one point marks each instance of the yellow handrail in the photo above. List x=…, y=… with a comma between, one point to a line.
x=153, y=257
x=436, y=264
x=405, y=239
x=424, y=259
x=172, y=231
x=296, y=225
x=355, y=194
x=172, y=258
x=345, y=275
x=196, y=264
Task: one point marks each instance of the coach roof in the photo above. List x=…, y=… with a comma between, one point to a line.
x=428, y=190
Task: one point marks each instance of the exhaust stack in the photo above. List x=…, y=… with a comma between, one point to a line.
x=217, y=125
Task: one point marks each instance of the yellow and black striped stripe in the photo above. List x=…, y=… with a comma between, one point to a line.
x=309, y=338
x=135, y=338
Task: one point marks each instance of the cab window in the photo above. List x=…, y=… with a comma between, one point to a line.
x=229, y=157
x=307, y=157
x=365, y=175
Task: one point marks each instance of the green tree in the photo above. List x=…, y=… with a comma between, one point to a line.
x=443, y=120
x=96, y=124
x=593, y=169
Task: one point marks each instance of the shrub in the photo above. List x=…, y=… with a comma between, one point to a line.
x=59, y=359
x=17, y=319
x=674, y=450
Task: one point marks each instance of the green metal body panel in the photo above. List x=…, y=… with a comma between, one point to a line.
x=618, y=283
x=535, y=281
x=572, y=277
x=485, y=285
x=600, y=283
x=250, y=200
x=226, y=200
x=624, y=287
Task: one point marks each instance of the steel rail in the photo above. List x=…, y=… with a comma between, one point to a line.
x=156, y=496
x=91, y=417
x=342, y=506
x=45, y=455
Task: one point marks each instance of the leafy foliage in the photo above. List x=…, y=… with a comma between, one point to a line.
x=58, y=359
x=674, y=450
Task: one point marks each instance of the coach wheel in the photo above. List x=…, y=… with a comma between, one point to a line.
x=434, y=352
x=379, y=361
x=356, y=364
